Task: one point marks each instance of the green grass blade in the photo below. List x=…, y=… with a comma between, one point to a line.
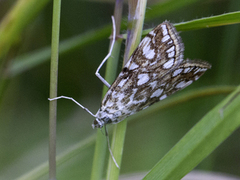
x=75, y=150
x=53, y=88
x=16, y=20
x=200, y=141
x=30, y=60
x=135, y=20
x=33, y=59
x=207, y=22
x=101, y=142
x=78, y=148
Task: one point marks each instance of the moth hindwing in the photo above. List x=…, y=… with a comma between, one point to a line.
x=154, y=71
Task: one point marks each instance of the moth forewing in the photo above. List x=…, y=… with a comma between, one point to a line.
x=154, y=71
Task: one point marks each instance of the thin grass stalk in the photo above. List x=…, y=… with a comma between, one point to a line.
x=101, y=143
x=110, y=74
x=53, y=88
x=135, y=22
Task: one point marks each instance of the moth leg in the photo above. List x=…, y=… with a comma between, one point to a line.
x=108, y=55
x=70, y=98
x=109, y=148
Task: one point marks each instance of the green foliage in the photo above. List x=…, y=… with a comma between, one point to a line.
x=153, y=136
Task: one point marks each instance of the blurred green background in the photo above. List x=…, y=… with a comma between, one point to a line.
x=24, y=104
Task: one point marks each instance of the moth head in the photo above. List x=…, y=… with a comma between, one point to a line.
x=99, y=123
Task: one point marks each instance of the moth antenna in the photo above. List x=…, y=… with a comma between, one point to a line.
x=108, y=55
x=109, y=148
x=70, y=98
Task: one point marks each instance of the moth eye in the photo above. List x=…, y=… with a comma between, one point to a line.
x=125, y=69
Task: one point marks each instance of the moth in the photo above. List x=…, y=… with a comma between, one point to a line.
x=154, y=71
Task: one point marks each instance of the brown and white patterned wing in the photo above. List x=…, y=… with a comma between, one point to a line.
x=154, y=71
x=162, y=48
x=184, y=75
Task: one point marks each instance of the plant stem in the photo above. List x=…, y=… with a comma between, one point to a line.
x=53, y=88
x=135, y=24
x=101, y=143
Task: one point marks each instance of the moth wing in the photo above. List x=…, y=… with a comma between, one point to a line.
x=184, y=75
x=160, y=51
x=160, y=48
x=154, y=71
